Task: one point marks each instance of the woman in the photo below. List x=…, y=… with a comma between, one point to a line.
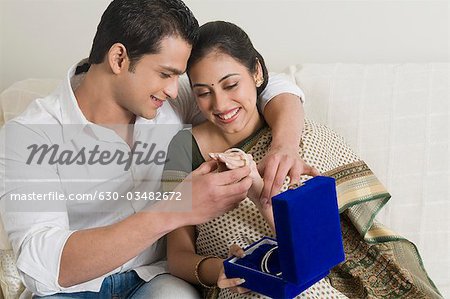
x=226, y=74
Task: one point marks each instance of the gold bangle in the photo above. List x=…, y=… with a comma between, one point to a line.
x=198, y=266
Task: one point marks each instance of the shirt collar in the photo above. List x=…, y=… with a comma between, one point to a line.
x=73, y=119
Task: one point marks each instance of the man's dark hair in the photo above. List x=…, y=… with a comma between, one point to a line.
x=140, y=25
x=229, y=39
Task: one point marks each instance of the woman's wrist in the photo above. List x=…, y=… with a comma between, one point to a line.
x=207, y=270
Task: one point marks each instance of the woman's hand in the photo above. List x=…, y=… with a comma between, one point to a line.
x=279, y=163
x=236, y=158
x=233, y=284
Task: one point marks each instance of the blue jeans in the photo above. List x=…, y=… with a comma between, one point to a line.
x=130, y=285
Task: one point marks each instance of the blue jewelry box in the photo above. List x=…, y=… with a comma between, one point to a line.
x=308, y=244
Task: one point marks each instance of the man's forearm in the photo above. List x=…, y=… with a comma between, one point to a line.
x=91, y=253
x=285, y=115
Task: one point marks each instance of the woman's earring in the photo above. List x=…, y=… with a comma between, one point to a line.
x=259, y=82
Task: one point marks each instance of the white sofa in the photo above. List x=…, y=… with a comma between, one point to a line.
x=396, y=116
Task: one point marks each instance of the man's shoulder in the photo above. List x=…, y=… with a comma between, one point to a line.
x=34, y=120
x=45, y=110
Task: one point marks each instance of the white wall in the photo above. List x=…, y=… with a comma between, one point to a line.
x=42, y=38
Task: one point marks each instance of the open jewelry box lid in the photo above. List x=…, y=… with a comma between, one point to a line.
x=308, y=230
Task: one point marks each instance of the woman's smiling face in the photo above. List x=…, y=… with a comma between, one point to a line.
x=225, y=91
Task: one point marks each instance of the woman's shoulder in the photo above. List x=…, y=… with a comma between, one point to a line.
x=181, y=142
x=183, y=135
x=184, y=147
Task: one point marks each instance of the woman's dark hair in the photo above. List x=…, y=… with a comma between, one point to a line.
x=140, y=25
x=229, y=39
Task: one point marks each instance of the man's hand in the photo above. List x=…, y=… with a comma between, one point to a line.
x=277, y=164
x=234, y=158
x=215, y=193
x=285, y=115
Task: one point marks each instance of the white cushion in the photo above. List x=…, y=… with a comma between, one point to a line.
x=9, y=277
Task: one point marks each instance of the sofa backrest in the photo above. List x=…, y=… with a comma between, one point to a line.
x=397, y=118
x=18, y=96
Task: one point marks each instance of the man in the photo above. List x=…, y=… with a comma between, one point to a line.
x=76, y=249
